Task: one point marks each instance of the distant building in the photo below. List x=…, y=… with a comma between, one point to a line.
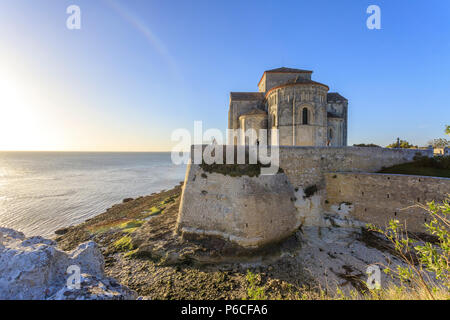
x=442, y=151
x=303, y=110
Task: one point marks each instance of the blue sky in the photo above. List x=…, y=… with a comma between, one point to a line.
x=139, y=69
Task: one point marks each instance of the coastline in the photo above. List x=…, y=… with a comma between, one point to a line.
x=143, y=252
x=155, y=276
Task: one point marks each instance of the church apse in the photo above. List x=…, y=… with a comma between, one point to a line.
x=302, y=110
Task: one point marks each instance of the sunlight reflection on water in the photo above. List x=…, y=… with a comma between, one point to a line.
x=41, y=192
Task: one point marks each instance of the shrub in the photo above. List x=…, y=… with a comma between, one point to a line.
x=403, y=144
x=369, y=145
x=427, y=269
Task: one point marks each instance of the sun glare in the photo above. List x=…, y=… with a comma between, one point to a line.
x=21, y=127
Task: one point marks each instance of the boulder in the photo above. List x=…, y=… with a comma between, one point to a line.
x=34, y=268
x=95, y=288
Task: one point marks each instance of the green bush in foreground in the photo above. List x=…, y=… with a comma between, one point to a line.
x=427, y=271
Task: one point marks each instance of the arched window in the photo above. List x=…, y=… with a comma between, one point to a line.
x=305, y=116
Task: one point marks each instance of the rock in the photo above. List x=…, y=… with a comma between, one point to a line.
x=34, y=268
x=10, y=233
x=127, y=200
x=88, y=256
x=94, y=288
x=62, y=231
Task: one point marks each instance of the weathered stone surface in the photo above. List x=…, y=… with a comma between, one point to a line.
x=306, y=166
x=378, y=198
x=34, y=268
x=296, y=106
x=249, y=211
x=95, y=288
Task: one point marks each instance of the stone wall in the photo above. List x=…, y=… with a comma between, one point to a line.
x=253, y=211
x=287, y=104
x=306, y=166
x=249, y=211
x=377, y=198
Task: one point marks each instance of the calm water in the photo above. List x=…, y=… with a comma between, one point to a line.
x=43, y=191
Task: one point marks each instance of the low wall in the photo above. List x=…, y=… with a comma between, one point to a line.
x=378, y=198
x=306, y=166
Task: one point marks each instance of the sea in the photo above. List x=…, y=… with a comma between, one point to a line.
x=41, y=192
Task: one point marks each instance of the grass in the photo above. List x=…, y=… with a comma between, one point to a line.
x=236, y=170
x=168, y=200
x=131, y=226
x=404, y=293
x=411, y=169
x=423, y=166
x=124, y=244
x=153, y=211
x=106, y=226
x=254, y=292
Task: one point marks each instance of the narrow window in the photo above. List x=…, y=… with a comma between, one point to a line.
x=330, y=134
x=305, y=116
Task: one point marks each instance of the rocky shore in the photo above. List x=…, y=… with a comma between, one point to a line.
x=132, y=250
x=35, y=269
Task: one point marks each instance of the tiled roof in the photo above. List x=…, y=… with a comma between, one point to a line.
x=288, y=70
x=303, y=81
x=297, y=81
x=246, y=95
x=334, y=96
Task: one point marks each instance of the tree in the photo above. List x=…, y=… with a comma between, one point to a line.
x=403, y=144
x=447, y=130
x=439, y=143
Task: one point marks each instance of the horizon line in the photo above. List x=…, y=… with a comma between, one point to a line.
x=86, y=151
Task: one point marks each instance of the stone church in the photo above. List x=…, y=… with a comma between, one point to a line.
x=302, y=110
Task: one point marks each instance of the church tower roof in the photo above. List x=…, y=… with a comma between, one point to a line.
x=287, y=70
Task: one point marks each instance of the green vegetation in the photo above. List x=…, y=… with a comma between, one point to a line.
x=427, y=271
x=236, y=170
x=447, y=130
x=152, y=212
x=168, y=200
x=132, y=253
x=125, y=225
x=402, y=144
x=124, y=244
x=369, y=145
x=254, y=292
x=439, y=143
x=100, y=228
x=423, y=166
x=131, y=226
